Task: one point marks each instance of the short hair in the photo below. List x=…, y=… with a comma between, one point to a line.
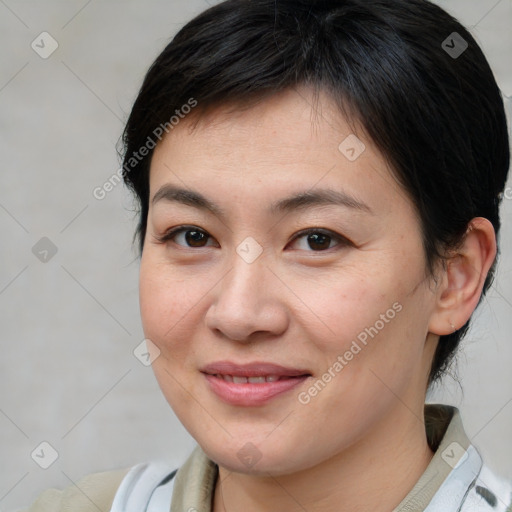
x=408, y=72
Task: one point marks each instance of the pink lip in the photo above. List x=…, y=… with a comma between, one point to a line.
x=251, y=394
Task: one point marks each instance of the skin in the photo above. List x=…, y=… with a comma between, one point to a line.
x=360, y=443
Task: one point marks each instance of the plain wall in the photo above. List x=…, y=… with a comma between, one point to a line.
x=68, y=375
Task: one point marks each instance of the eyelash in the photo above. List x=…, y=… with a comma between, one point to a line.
x=172, y=233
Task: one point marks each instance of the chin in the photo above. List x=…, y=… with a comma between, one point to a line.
x=247, y=458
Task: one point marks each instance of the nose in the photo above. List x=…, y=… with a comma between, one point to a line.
x=248, y=304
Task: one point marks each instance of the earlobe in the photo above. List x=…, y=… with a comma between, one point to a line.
x=463, y=278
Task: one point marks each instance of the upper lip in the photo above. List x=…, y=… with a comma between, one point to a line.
x=255, y=369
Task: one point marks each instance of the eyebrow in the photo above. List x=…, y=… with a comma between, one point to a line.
x=296, y=202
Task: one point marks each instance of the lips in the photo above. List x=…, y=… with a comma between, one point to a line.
x=251, y=384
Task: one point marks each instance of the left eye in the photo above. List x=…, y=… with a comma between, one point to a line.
x=319, y=240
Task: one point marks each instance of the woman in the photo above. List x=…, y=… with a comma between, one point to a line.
x=319, y=188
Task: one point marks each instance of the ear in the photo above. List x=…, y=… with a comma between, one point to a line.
x=463, y=278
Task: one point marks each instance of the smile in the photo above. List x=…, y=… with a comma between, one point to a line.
x=252, y=384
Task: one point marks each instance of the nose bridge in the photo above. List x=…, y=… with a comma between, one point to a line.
x=243, y=290
x=248, y=272
x=245, y=301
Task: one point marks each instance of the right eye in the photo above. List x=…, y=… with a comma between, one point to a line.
x=192, y=236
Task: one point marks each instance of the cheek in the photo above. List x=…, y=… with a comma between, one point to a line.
x=166, y=303
x=344, y=304
x=166, y=314
x=373, y=322
x=154, y=300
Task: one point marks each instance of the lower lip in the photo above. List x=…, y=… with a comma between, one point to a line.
x=249, y=394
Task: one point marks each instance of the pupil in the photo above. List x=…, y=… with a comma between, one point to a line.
x=318, y=239
x=194, y=238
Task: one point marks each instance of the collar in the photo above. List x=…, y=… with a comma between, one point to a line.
x=451, y=472
x=452, y=450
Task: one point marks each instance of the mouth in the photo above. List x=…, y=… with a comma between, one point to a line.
x=251, y=384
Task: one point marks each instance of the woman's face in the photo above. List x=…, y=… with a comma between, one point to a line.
x=331, y=326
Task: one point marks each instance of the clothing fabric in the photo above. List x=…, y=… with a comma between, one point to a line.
x=456, y=480
x=93, y=493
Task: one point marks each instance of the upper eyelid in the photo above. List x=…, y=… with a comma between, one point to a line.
x=172, y=232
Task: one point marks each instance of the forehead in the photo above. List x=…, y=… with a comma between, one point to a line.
x=288, y=142
x=292, y=120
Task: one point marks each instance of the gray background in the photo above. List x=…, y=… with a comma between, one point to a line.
x=69, y=326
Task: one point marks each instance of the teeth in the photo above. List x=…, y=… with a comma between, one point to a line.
x=251, y=380
x=256, y=380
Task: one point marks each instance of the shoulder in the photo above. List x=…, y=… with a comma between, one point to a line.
x=92, y=493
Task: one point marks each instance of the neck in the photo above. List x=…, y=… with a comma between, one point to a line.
x=376, y=473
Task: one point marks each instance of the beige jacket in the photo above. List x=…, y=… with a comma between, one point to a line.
x=93, y=493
